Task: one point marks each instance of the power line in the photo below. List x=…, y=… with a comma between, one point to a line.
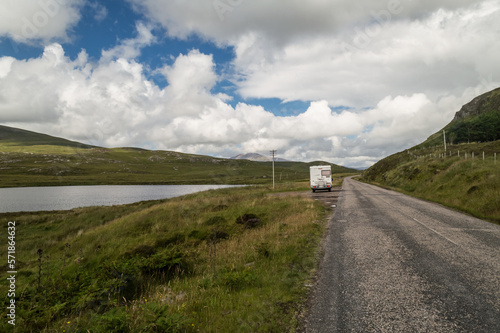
x=444, y=138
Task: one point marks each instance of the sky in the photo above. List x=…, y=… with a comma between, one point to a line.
x=348, y=82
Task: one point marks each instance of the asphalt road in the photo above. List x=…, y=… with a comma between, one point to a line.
x=393, y=263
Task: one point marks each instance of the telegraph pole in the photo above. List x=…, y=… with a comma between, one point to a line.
x=273, y=153
x=444, y=138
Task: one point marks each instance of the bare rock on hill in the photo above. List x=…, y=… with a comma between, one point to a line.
x=481, y=104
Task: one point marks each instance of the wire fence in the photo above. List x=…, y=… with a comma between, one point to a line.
x=449, y=151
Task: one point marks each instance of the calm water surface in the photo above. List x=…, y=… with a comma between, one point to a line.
x=20, y=199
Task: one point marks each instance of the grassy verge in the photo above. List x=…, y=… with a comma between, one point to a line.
x=466, y=184
x=230, y=260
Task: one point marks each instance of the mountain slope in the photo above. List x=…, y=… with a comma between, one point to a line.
x=19, y=137
x=459, y=177
x=252, y=157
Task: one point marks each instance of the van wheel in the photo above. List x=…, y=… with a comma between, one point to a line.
x=314, y=191
x=329, y=189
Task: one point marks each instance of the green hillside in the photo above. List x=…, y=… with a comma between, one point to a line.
x=32, y=159
x=15, y=138
x=459, y=177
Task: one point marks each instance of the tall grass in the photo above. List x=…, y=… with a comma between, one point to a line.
x=178, y=265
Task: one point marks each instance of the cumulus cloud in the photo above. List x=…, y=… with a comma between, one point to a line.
x=226, y=21
x=27, y=87
x=435, y=55
x=131, y=48
x=28, y=20
x=348, y=53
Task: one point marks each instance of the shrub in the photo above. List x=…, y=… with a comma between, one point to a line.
x=176, y=238
x=167, y=263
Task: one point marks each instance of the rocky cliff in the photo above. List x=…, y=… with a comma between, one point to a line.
x=484, y=103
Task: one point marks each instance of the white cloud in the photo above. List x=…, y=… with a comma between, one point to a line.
x=5, y=65
x=348, y=53
x=131, y=48
x=225, y=21
x=27, y=87
x=190, y=80
x=29, y=20
x=442, y=53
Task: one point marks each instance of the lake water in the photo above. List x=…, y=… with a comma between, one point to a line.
x=20, y=199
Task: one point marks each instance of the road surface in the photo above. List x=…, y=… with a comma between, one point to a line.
x=393, y=263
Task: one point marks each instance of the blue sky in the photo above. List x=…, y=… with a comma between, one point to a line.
x=347, y=82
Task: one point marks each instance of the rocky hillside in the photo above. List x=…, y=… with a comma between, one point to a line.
x=476, y=121
x=485, y=103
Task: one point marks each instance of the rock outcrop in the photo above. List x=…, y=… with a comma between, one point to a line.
x=481, y=104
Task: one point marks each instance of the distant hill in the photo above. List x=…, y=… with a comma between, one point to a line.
x=34, y=159
x=458, y=177
x=257, y=158
x=335, y=168
x=254, y=157
x=20, y=137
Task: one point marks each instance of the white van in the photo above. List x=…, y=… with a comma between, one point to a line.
x=321, y=177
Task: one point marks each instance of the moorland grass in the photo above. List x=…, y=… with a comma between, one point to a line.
x=177, y=265
x=45, y=165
